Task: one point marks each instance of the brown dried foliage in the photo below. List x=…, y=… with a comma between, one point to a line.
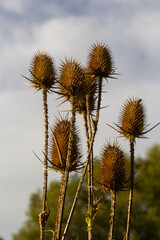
x=100, y=60
x=58, y=155
x=132, y=119
x=113, y=168
x=42, y=71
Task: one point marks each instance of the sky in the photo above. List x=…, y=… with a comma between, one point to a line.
x=68, y=29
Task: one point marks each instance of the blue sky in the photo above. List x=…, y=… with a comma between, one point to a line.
x=68, y=28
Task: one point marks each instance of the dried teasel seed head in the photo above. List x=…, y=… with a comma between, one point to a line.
x=71, y=78
x=112, y=168
x=87, y=96
x=59, y=145
x=42, y=71
x=132, y=119
x=100, y=61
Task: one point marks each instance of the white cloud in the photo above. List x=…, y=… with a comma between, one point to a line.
x=145, y=32
x=16, y=6
x=66, y=36
x=73, y=35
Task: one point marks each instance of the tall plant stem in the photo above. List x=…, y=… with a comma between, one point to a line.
x=88, y=158
x=131, y=191
x=112, y=215
x=66, y=175
x=43, y=215
x=79, y=187
x=59, y=203
x=90, y=166
x=99, y=100
x=86, y=128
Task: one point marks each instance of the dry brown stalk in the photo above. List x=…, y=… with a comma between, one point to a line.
x=113, y=177
x=132, y=124
x=45, y=214
x=112, y=215
x=58, y=154
x=79, y=186
x=70, y=86
x=66, y=177
x=100, y=65
x=43, y=78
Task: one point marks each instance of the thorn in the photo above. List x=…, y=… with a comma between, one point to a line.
x=27, y=84
x=38, y=157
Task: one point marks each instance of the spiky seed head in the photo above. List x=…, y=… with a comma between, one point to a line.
x=42, y=71
x=71, y=78
x=100, y=61
x=113, y=168
x=132, y=119
x=89, y=91
x=61, y=131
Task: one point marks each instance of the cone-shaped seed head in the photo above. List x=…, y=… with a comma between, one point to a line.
x=42, y=71
x=132, y=119
x=61, y=131
x=113, y=168
x=89, y=91
x=71, y=78
x=100, y=60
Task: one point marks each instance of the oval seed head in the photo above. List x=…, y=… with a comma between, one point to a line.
x=132, y=119
x=113, y=168
x=100, y=60
x=42, y=71
x=71, y=78
x=89, y=91
x=59, y=146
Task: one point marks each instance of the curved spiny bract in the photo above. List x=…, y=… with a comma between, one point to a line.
x=59, y=146
x=42, y=71
x=71, y=79
x=132, y=119
x=113, y=168
x=87, y=95
x=100, y=61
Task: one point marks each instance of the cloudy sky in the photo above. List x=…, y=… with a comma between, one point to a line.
x=68, y=28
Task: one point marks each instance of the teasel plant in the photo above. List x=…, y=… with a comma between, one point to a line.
x=132, y=125
x=82, y=100
x=84, y=104
x=79, y=187
x=42, y=78
x=58, y=151
x=70, y=84
x=100, y=65
x=113, y=177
